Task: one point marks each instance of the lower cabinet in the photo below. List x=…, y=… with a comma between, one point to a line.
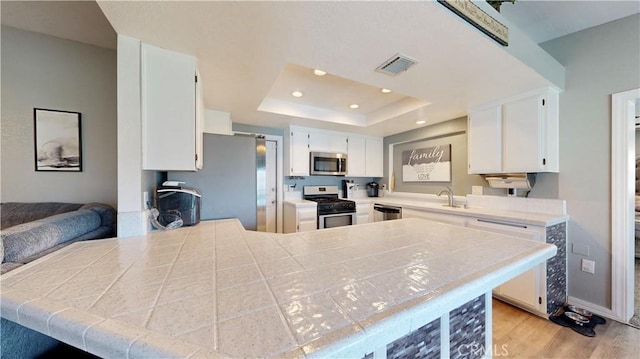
x=364, y=212
x=299, y=218
x=541, y=290
x=527, y=290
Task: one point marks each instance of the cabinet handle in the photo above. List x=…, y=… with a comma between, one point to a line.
x=502, y=223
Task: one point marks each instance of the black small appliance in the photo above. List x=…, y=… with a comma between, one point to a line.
x=181, y=201
x=372, y=189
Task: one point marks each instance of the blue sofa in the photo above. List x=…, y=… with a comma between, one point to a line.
x=31, y=230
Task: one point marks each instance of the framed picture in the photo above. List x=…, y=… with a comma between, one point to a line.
x=429, y=164
x=58, y=141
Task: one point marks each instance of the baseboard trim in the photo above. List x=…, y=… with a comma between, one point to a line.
x=594, y=308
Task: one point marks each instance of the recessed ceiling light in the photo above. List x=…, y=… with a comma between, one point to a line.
x=319, y=72
x=354, y=105
x=296, y=94
x=385, y=90
x=421, y=122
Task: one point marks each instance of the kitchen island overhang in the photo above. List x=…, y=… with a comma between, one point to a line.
x=216, y=289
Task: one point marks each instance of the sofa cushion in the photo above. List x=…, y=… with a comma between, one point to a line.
x=107, y=213
x=14, y=213
x=26, y=239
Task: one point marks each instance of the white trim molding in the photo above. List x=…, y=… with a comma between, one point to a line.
x=622, y=203
x=593, y=308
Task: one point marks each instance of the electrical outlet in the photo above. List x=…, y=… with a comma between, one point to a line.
x=477, y=190
x=588, y=266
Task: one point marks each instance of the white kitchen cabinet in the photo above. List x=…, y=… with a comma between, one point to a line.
x=327, y=142
x=373, y=157
x=364, y=213
x=171, y=110
x=297, y=150
x=364, y=156
x=484, y=140
x=217, y=122
x=356, y=156
x=528, y=290
x=519, y=134
x=299, y=218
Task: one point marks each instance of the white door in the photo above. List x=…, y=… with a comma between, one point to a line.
x=272, y=187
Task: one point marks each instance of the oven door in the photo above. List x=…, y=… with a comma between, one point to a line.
x=336, y=220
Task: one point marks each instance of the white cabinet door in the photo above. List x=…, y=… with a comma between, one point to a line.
x=168, y=110
x=299, y=153
x=356, y=157
x=307, y=225
x=374, y=155
x=301, y=219
x=519, y=134
x=484, y=140
x=363, y=212
x=289, y=218
x=523, y=135
x=362, y=218
x=307, y=219
x=528, y=289
x=327, y=142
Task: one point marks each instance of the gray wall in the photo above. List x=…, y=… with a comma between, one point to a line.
x=450, y=132
x=227, y=180
x=48, y=72
x=599, y=61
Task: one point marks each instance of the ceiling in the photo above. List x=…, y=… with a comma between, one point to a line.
x=252, y=55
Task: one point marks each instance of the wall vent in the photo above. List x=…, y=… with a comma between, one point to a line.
x=396, y=64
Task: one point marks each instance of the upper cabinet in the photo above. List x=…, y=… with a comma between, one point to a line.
x=518, y=134
x=296, y=145
x=327, y=142
x=172, y=111
x=356, y=156
x=364, y=154
x=374, y=155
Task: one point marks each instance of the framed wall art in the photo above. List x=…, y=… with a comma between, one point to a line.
x=429, y=164
x=58, y=141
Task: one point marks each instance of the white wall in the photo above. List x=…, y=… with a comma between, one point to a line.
x=48, y=72
x=599, y=61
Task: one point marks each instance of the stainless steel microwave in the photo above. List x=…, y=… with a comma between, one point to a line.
x=328, y=163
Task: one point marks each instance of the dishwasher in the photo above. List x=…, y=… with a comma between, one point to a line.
x=383, y=212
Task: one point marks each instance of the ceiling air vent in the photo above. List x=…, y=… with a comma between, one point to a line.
x=396, y=64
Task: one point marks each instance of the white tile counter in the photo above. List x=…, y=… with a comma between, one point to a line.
x=521, y=210
x=216, y=290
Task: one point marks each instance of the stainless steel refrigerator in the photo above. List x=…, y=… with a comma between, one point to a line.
x=232, y=180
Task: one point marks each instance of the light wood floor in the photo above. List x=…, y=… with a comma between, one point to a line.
x=518, y=334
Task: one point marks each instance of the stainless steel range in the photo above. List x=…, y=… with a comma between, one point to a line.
x=332, y=211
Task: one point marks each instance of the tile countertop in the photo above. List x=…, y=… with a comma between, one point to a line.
x=217, y=290
x=522, y=215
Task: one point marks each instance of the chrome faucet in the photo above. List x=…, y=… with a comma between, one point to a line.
x=449, y=193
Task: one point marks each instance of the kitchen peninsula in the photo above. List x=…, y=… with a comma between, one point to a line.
x=217, y=290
